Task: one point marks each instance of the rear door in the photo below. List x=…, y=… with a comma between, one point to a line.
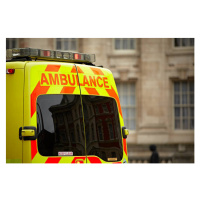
x=102, y=116
x=53, y=105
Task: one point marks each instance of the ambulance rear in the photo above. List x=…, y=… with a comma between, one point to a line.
x=61, y=108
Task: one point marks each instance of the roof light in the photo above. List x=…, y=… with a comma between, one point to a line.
x=10, y=71
x=78, y=56
x=46, y=53
x=67, y=55
x=49, y=54
x=58, y=54
x=21, y=52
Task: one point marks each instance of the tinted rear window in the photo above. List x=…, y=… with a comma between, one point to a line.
x=102, y=128
x=61, y=128
x=60, y=125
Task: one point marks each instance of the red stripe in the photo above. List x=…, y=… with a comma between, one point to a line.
x=113, y=94
x=38, y=90
x=92, y=91
x=124, y=144
x=97, y=71
x=53, y=160
x=53, y=68
x=94, y=160
x=117, y=163
x=33, y=148
x=68, y=90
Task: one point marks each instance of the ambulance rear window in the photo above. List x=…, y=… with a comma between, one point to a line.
x=61, y=128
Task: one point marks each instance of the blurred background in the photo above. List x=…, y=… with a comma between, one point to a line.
x=155, y=81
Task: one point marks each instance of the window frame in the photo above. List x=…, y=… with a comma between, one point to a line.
x=131, y=131
x=181, y=130
x=10, y=42
x=62, y=44
x=181, y=47
x=124, y=51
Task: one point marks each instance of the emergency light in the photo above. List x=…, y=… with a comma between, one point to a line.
x=49, y=55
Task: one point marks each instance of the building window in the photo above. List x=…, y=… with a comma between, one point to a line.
x=183, y=42
x=11, y=43
x=68, y=44
x=124, y=43
x=184, y=105
x=127, y=97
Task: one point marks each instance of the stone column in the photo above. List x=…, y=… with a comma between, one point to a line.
x=152, y=98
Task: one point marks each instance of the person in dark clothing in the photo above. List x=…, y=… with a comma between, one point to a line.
x=155, y=156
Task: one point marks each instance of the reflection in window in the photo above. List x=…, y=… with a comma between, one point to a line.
x=101, y=127
x=100, y=132
x=184, y=105
x=56, y=125
x=111, y=131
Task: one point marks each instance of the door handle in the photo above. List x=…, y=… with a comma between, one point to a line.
x=28, y=133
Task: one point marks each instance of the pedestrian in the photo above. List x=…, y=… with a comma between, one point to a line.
x=154, y=156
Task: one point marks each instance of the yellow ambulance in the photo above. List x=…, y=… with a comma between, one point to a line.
x=61, y=108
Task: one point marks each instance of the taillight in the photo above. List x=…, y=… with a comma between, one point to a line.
x=10, y=71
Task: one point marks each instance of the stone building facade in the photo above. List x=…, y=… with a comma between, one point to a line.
x=155, y=79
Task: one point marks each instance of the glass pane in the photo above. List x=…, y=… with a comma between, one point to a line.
x=124, y=88
x=184, y=87
x=73, y=45
x=185, y=123
x=192, y=112
x=125, y=43
x=177, y=42
x=13, y=43
x=131, y=113
x=191, y=41
x=117, y=43
x=132, y=88
x=107, y=127
x=66, y=45
x=177, y=99
x=124, y=100
x=132, y=100
x=58, y=44
x=56, y=125
x=132, y=44
x=177, y=112
x=192, y=99
x=192, y=124
x=177, y=124
x=7, y=44
x=191, y=86
x=184, y=99
x=125, y=112
x=177, y=87
x=185, y=41
x=185, y=112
